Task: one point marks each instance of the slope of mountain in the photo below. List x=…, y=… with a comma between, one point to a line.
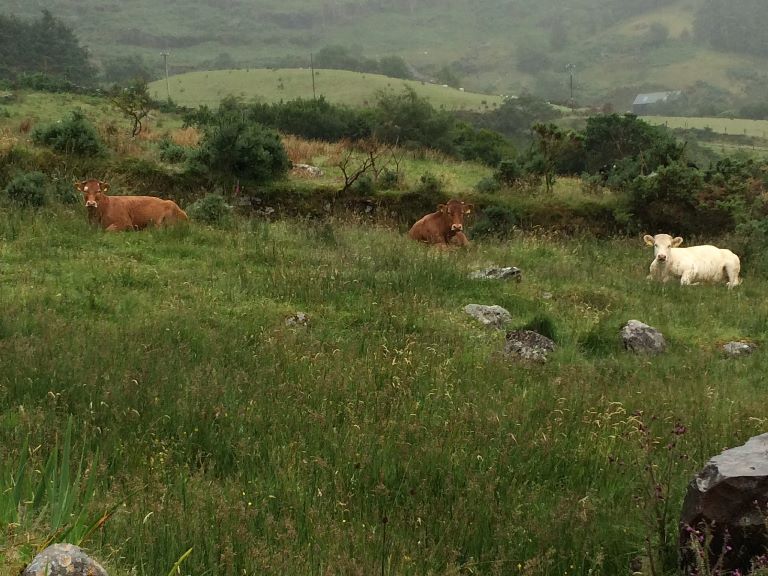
x=494, y=46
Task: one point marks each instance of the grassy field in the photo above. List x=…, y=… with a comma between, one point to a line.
x=730, y=126
x=341, y=86
x=389, y=436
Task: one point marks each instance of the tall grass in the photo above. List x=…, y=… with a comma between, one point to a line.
x=389, y=435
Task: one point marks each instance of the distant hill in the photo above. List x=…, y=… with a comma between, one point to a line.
x=616, y=47
x=338, y=86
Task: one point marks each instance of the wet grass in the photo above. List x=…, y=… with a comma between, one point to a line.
x=388, y=436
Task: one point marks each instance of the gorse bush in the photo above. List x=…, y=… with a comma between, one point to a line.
x=487, y=185
x=63, y=191
x=171, y=152
x=28, y=189
x=74, y=135
x=429, y=185
x=389, y=179
x=211, y=209
x=235, y=148
x=671, y=200
x=508, y=172
x=364, y=185
x=495, y=221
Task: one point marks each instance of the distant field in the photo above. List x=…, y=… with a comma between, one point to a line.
x=340, y=86
x=732, y=126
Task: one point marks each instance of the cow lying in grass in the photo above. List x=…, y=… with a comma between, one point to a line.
x=692, y=265
x=115, y=213
x=443, y=227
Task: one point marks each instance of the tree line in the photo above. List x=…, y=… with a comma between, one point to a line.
x=42, y=46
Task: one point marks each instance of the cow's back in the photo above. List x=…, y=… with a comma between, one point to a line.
x=708, y=262
x=145, y=211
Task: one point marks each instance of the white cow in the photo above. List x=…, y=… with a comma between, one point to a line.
x=692, y=265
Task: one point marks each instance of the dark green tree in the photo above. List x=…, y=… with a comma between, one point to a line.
x=611, y=138
x=44, y=46
x=410, y=119
x=235, y=148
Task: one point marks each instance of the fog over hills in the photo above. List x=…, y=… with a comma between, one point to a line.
x=611, y=48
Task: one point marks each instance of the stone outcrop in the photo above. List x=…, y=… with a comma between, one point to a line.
x=63, y=560
x=299, y=319
x=528, y=345
x=506, y=273
x=494, y=316
x=739, y=348
x=726, y=504
x=642, y=339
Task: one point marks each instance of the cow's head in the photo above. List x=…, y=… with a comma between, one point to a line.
x=453, y=212
x=662, y=243
x=91, y=190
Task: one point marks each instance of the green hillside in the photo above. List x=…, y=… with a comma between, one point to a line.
x=493, y=46
x=269, y=85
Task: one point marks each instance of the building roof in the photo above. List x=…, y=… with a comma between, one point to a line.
x=655, y=97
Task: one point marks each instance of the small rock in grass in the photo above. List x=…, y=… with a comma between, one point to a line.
x=495, y=316
x=739, y=348
x=528, y=345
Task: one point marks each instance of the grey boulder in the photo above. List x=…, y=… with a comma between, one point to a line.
x=63, y=560
x=528, y=345
x=642, y=339
x=738, y=348
x=726, y=505
x=506, y=273
x=494, y=316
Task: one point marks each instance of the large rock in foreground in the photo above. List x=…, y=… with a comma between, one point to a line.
x=728, y=500
x=63, y=560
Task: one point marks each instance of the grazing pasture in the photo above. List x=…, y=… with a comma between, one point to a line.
x=338, y=86
x=388, y=436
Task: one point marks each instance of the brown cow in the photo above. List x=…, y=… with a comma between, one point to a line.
x=115, y=213
x=443, y=227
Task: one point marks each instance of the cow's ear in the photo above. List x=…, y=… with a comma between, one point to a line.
x=468, y=208
x=677, y=241
x=648, y=239
x=104, y=187
x=441, y=208
x=79, y=185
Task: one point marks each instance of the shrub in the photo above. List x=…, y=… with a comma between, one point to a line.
x=237, y=149
x=171, y=152
x=508, y=172
x=74, y=135
x=499, y=221
x=211, y=209
x=481, y=145
x=429, y=185
x=364, y=185
x=28, y=189
x=64, y=192
x=669, y=200
x=487, y=185
x=389, y=179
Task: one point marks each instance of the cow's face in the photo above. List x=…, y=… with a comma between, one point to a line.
x=91, y=189
x=662, y=243
x=454, y=212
